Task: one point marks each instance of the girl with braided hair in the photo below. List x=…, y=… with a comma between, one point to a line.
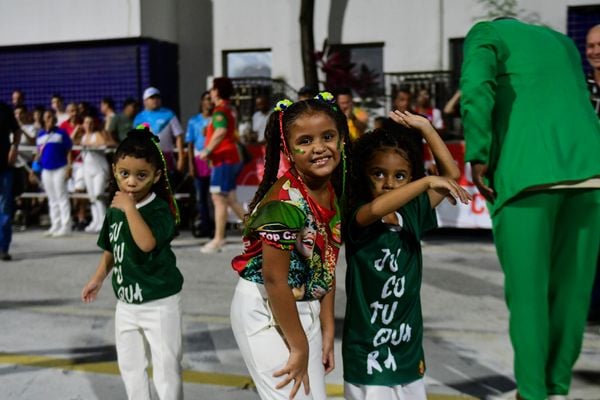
x=282, y=310
x=391, y=208
x=136, y=236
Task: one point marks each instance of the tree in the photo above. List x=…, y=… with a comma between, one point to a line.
x=307, y=40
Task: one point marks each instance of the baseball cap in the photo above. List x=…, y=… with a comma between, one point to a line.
x=151, y=91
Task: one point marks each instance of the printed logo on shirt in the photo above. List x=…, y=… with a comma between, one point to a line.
x=127, y=293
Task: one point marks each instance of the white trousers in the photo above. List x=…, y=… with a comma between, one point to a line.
x=264, y=349
x=412, y=391
x=157, y=323
x=95, y=183
x=59, y=206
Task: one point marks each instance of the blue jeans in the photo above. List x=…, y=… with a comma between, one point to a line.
x=6, y=206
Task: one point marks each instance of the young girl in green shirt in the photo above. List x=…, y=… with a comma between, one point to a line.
x=391, y=209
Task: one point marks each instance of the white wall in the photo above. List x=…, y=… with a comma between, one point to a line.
x=159, y=19
x=41, y=21
x=413, y=37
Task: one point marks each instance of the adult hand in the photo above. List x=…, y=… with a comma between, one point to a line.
x=296, y=369
x=12, y=154
x=181, y=164
x=478, y=172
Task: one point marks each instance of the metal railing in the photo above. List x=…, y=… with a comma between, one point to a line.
x=247, y=89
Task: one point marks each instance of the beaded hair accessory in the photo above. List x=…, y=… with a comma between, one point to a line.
x=280, y=107
x=172, y=202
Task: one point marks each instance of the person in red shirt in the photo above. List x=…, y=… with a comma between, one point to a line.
x=223, y=152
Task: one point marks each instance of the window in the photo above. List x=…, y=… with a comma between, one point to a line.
x=247, y=63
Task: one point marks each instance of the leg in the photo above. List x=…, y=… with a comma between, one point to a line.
x=98, y=186
x=573, y=267
x=131, y=353
x=52, y=194
x=523, y=232
x=220, y=203
x=237, y=208
x=161, y=321
x=89, y=188
x=63, y=200
x=6, y=200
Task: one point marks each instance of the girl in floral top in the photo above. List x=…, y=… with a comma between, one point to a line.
x=282, y=311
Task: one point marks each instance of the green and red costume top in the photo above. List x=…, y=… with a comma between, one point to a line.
x=289, y=219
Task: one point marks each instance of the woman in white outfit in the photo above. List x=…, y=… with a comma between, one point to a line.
x=95, y=171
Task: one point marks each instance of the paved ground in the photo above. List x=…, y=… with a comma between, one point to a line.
x=54, y=347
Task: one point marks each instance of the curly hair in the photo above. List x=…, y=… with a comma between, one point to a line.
x=274, y=145
x=143, y=144
x=364, y=150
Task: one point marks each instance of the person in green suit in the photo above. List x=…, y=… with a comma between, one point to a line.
x=533, y=142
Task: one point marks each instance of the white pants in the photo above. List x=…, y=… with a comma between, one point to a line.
x=412, y=391
x=264, y=349
x=95, y=183
x=59, y=206
x=159, y=323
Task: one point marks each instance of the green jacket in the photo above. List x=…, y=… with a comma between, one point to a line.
x=526, y=109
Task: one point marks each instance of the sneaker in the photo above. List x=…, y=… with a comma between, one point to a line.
x=4, y=256
x=62, y=233
x=213, y=247
x=92, y=228
x=51, y=231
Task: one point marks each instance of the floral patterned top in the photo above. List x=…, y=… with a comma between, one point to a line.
x=286, y=220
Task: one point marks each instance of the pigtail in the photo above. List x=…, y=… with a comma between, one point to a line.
x=167, y=184
x=272, y=159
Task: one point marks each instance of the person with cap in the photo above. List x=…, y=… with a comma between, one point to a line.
x=534, y=157
x=164, y=123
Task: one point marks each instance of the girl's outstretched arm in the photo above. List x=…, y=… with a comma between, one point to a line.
x=276, y=265
x=395, y=199
x=327, y=319
x=444, y=161
x=91, y=289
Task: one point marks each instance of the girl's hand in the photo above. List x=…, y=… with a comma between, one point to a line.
x=296, y=370
x=123, y=201
x=328, y=358
x=410, y=120
x=90, y=290
x=449, y=188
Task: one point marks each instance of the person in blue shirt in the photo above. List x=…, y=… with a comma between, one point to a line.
x=54, y=158
x=199, y=168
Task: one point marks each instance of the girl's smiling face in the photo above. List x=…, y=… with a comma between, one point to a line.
x=314, y=143
x=135, y=176
x=386, y=171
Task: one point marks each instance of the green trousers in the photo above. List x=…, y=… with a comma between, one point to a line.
x=547, y=242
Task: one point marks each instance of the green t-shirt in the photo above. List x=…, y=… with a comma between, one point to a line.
x=119, y=125
x=139, y=277
x=383, y=327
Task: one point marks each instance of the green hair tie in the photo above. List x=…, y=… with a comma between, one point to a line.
x=325, y=97
x=283, y=105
